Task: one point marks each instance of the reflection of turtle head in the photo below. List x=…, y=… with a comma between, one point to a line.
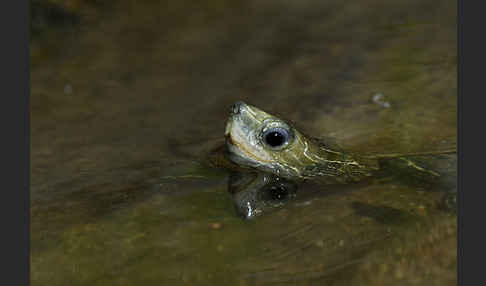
x=257, y=139
x=256, y=193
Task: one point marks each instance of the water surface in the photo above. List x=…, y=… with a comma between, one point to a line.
x=127, y=97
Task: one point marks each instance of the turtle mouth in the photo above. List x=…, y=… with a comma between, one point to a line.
x=229, y=140
x=236, y=143
x=229, y=123
x=240, y=155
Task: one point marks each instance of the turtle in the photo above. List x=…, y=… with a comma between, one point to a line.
x=255, y=139
x=267, y=158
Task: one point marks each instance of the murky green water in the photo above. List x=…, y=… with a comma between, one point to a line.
x=128, y=96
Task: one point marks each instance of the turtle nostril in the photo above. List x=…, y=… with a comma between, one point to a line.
x=236, y=107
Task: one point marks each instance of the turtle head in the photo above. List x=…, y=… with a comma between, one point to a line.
x=257, y=139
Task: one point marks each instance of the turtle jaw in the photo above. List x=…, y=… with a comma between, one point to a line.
x=237, y=153
x=242, y=133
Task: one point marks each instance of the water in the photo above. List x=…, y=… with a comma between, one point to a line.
x=126, y=98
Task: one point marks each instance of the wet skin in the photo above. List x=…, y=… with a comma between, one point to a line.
x=258, y=140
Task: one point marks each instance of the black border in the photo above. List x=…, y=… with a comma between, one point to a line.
x=471, y=86
x=15, y=154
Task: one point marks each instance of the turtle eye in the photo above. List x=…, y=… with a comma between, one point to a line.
x=276, y=137
x=278, y=193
